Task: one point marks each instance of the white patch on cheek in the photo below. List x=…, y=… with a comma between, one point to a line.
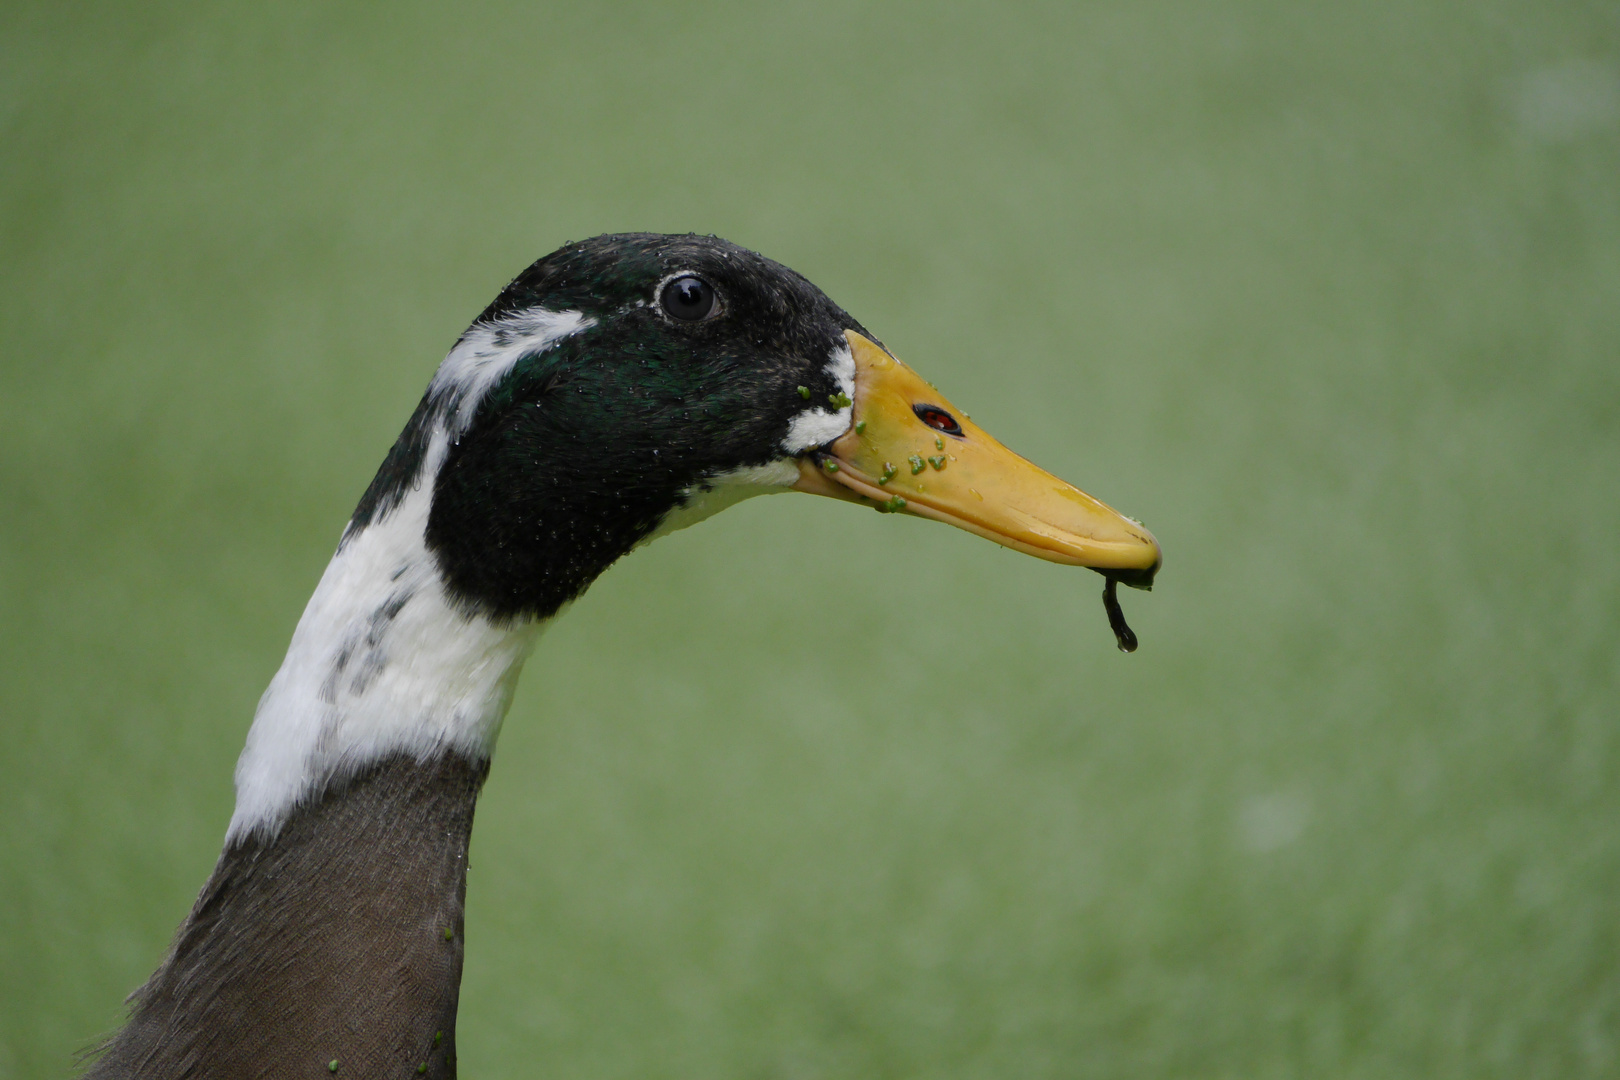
x=815, y=427
x=819, y=426
x=842, y=368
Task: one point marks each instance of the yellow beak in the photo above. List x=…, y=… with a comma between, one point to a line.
x=911, y=451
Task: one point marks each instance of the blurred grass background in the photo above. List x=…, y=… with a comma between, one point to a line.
x=1327, y=294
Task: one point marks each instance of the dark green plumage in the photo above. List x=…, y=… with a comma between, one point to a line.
x=584, y=446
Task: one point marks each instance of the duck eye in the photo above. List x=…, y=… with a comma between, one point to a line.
x=937, y=418
x=688, y=298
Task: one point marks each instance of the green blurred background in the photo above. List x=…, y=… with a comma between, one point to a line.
x=1327, y=294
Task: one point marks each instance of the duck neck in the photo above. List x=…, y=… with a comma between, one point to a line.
x=385, y=661
x=331, y=928
x=337, y=939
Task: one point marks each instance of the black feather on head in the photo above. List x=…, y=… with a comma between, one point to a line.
x=585, y=444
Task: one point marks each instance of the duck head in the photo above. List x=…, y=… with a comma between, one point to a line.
x=620, y=388
x=629, y=385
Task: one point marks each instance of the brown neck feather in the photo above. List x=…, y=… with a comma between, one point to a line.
x=338, y=940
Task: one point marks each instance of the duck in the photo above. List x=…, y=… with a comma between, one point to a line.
x=618, y=389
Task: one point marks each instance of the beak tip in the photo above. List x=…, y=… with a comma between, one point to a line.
x=1138, y=577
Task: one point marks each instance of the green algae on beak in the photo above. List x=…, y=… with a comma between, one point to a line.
x=987, y=489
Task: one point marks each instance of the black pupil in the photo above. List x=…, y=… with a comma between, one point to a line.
x=938, y=419
x=688, y=298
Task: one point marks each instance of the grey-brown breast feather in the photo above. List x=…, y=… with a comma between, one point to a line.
x=340, y=939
